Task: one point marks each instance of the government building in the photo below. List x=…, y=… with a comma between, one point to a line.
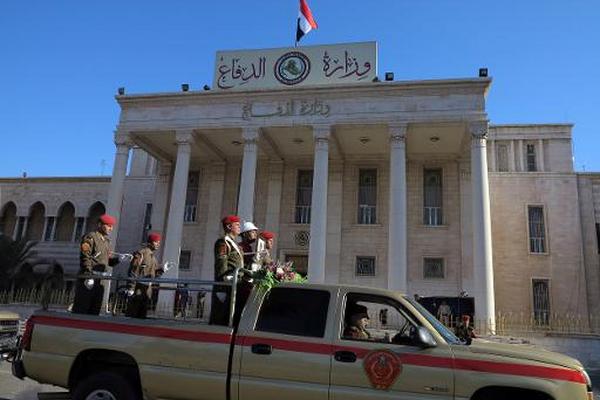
x=364, y=180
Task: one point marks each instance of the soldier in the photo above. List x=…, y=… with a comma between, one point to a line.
x=143, y=265
x=264, y=247
x=357, y=320
x=464, y=330
x=95, y=256
x=228, y=257
x=248, y=245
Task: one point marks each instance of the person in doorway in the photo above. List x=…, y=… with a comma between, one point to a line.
x=444, y=313
x=143, y=265
x=95, y=256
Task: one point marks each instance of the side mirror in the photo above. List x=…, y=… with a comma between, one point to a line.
x=424, y=339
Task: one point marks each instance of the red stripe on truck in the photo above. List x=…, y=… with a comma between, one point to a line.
x=422, y=360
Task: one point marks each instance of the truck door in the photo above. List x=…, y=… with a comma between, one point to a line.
x=286, y=350
x=381, y=360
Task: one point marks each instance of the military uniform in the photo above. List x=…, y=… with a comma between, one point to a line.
x=94, y=256
x=143, y=265
x=354, y=332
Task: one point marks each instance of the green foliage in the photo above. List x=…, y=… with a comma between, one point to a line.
x=276, y=273
x=13, y=254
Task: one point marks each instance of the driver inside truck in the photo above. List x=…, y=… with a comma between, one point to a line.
x=357, y=319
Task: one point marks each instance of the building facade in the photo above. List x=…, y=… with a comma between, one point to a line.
x=402, y=185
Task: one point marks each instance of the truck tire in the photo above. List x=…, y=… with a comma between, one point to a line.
x=105, y=386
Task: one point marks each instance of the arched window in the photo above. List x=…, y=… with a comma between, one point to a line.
x=96, y=210
x=8, y=219
x=36, y=222
x=65, y=223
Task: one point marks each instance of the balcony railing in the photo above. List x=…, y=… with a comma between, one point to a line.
x=302, y=215
x=432, y=216
x=367, y=214
x=189, y=214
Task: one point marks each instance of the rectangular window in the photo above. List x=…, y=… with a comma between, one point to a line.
x=432, y=197
x=299, y=312
x=502, y=158
x=537, y=231
x=598, y=237
x=365, y=266
x=48, y=234
x=147, y=222
x=191, y=197
x=541, y=302
x=433, y=268
x=531, y=163
x=20, y=228
x=367, y=196
x=79, y=229
x=303, y=196
x=185, y=258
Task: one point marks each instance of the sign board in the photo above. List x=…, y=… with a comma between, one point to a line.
x=295, y=66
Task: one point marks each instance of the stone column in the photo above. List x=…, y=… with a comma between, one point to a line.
x=160, y=199
x=541, y=166
x=216, y=189
x=318, y=219
x=274, y=201
x=173, y=233
x=512, y=165
x=397, y=235
x=483, y=272
x=521, y=159
x=246, y=197
x=115, y=191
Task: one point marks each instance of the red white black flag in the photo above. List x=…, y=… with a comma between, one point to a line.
x=306, y=22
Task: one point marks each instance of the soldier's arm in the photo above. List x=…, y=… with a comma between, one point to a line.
x=136, y=262
x=86, y=257
x=221, y=253
x=113, y=260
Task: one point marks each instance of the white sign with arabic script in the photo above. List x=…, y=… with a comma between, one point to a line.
x=295, y=66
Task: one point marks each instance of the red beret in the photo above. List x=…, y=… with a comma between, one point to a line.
x=108, y=219
x=267, y=235
x=154, y=237
x=230, y=219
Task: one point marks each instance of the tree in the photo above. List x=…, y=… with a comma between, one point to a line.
x=13, y=254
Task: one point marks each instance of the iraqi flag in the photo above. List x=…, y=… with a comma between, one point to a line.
x=306, y=22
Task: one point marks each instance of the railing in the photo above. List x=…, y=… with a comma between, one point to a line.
x=367, y=214
x=189, y=214
x=302, y=215
x=432, y=216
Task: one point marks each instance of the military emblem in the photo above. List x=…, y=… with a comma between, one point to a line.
x=292, y=68
x=382, y=368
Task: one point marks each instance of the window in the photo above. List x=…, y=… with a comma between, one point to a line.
x=20, y=228
x=531, y=164
x=365, y=266
x=300, y=312
x=367, y=196
x=433, y=268
x=502, y=158
x=387, y=320
x=185, y=258
x=191, y=197
x=537, y=231
x=598, y=237
x=79, y=228
x=48, y=233
x=303, y=196
x=432, y=197
x=541, y=302
x=147, y=222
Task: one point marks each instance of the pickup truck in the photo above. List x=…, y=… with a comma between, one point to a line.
x=289, y=343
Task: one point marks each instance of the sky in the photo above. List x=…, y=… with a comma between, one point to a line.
x=61, y=62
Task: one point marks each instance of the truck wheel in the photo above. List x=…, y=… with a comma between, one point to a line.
x=105, y=386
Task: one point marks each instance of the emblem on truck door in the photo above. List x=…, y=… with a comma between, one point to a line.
x=382, y=368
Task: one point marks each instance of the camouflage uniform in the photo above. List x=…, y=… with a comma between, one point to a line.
x=143, y=265
x=94, y=256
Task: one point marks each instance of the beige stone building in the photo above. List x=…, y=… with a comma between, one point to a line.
x=399, y=184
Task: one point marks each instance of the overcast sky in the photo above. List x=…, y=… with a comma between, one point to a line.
x=61, y=62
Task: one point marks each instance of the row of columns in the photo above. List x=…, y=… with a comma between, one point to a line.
x=516, y=161
x=397, y=236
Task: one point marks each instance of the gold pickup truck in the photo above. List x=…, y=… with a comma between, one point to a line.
x=291, y=342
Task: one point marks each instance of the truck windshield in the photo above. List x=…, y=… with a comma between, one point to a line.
x=439, y=327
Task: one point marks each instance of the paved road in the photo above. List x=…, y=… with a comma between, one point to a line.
x=15, y=389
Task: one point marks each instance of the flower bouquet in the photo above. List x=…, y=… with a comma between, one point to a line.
x=275, y=273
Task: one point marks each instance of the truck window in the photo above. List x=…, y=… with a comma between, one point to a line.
x=290, y=311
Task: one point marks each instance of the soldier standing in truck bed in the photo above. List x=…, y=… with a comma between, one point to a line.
x=143, y=265
x=95, y=256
